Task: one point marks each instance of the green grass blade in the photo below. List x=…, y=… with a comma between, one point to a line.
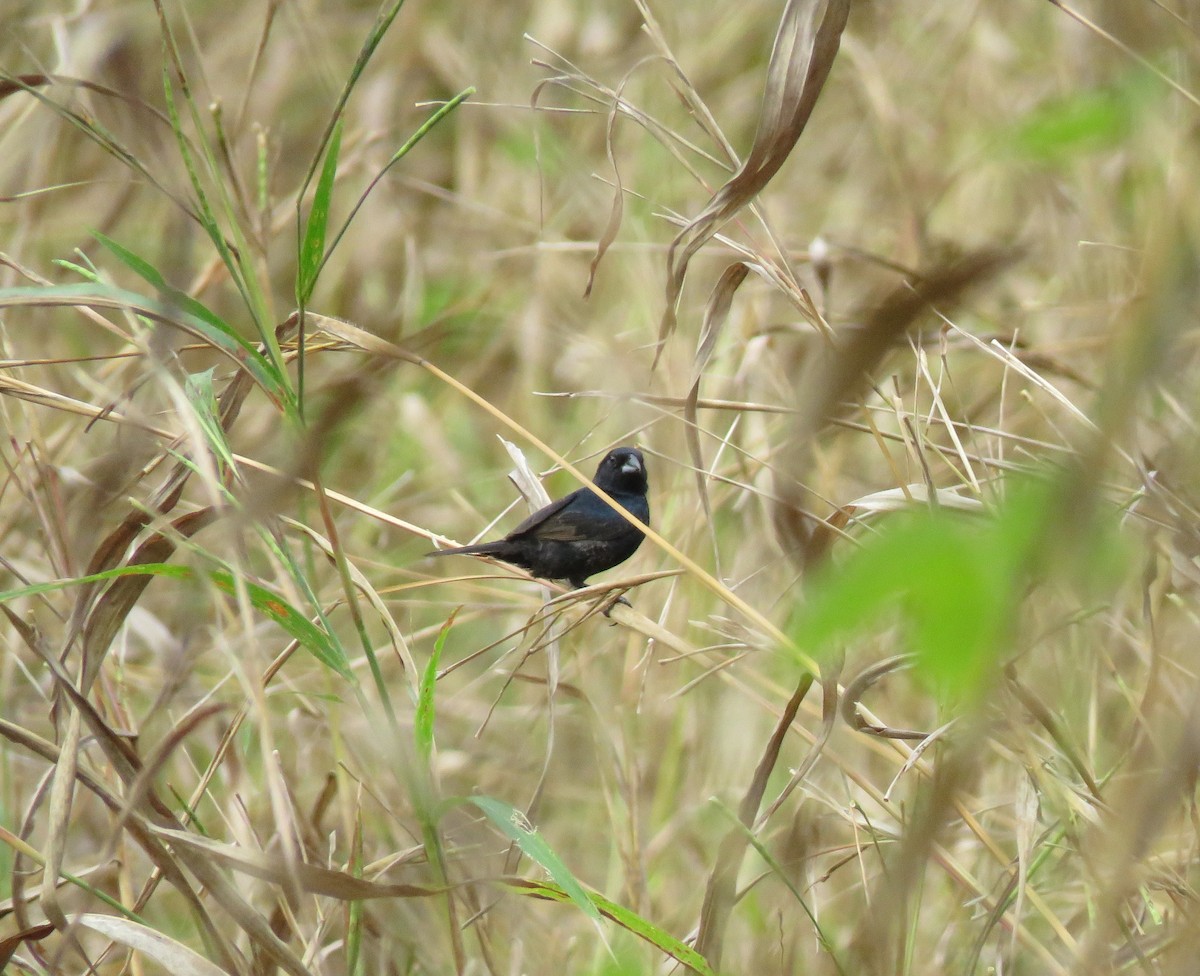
x=319, y=643
x=398, y=155
x=423, y=723
x=151, y=275
x=205, y=212
x=234, y=257
x=207, y=328
x=382, y=23
x=201, y=395
x=512, y=823
x=92, y=130
x=312, y=242
x=629, y=920
x=52, y=586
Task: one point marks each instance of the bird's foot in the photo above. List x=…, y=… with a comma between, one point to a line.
x=612, y=603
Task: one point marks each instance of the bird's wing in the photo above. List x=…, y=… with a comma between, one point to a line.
x=575, y=517
x=541, y=515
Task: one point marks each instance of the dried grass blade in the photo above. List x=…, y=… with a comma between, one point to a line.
x=720, y=894
x=830, y=690
x=10, y=84
x=127, y=766
x=62, y=792
x=715, y=315
x=173, y=956
x=10, y=944
x=163, y=750
x=313, y=879
x=834, y=377
x=617, y=211
x=806, y=44
x=115, y=749
x=111, y=609
x=686, y=90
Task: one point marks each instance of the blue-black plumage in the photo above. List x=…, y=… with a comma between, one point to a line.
x=580, y=534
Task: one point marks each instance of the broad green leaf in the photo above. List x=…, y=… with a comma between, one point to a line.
x=955, y=580
x=941, y=572
x=512, y=823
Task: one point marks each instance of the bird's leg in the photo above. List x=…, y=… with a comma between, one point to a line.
x=613, y=602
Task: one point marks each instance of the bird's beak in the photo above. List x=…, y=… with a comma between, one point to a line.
x=631, y=466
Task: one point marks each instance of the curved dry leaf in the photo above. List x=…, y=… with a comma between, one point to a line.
x=861, y=684
x=525, y=478
x=311, y=878
x=12, y=943
x=174, y=957
x=806, y=44
x=830, y=690
x=721, y=893
x=159, y=856
x=126, y=764
x=617, y=210
x=113, y=607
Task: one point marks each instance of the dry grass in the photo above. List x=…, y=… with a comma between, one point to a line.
x=915, y=394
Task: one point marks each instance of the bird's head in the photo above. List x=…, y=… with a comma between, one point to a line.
x=623, y=470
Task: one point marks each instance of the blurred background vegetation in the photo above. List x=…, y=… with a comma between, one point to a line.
x=930, y=466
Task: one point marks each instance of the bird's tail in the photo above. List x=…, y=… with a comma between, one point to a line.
x=482, y=549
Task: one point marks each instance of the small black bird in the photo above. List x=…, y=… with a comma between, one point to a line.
x=579, y=535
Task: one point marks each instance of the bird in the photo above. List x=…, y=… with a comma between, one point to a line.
x=580, y=534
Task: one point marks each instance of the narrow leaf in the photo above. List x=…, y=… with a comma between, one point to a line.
x=423, y=724
x=422, y=130
x=172, y=956
x=203, y=398
x=218, y=336
x=321, y=644
x=628, y=920
x=810, y=32
x=312, y=246
x=512, y=823
x=151, y=275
